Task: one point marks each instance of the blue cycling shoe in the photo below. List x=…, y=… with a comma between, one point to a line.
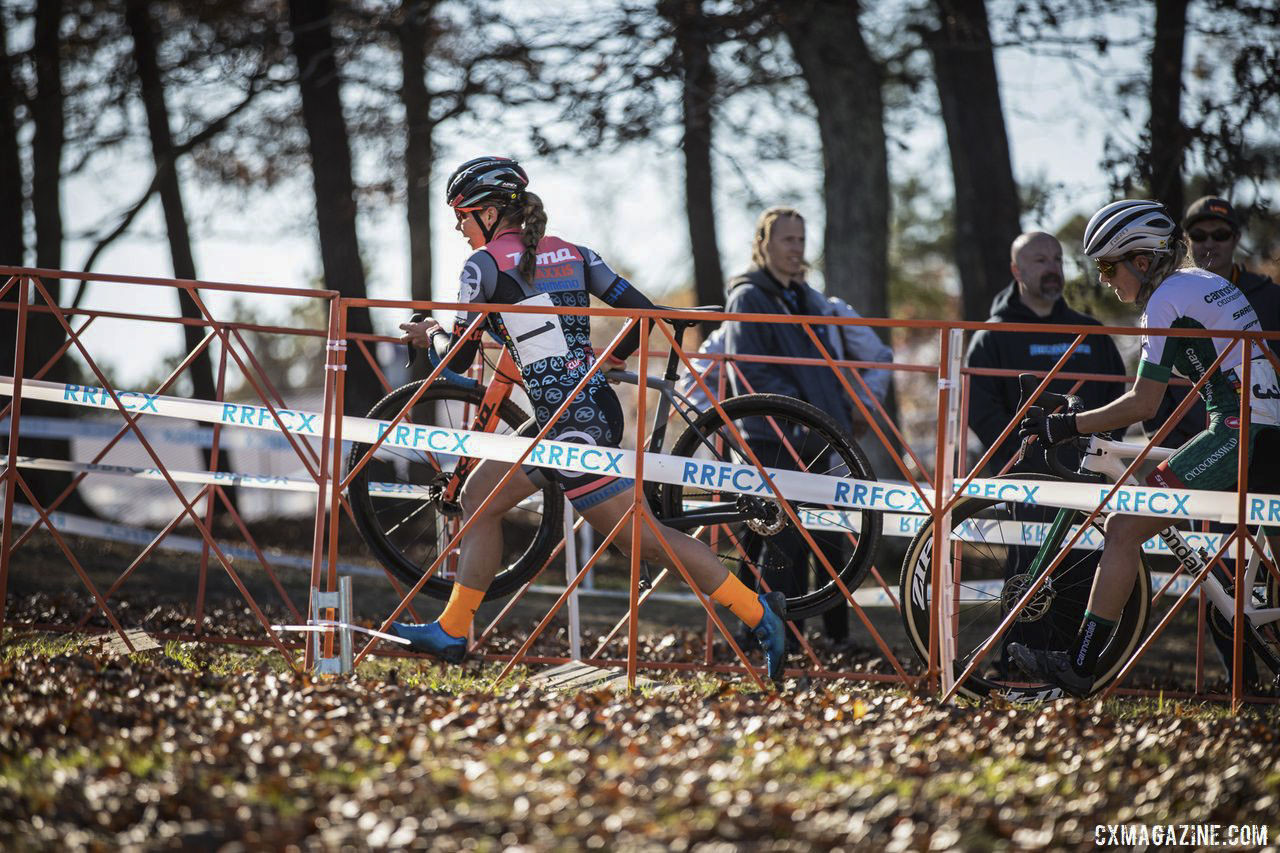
x=429, y=637
x=772, y=633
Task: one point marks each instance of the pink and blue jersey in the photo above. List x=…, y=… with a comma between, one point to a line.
x=553, y=351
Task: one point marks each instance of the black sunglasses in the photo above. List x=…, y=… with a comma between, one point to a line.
x=1218, y=235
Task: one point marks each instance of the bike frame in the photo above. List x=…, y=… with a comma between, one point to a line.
x=506, y=374
x=1110, y=459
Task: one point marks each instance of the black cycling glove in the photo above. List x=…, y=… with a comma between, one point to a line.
x=1052, y=430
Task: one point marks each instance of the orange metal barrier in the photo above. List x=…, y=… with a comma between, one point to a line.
x=932, y=482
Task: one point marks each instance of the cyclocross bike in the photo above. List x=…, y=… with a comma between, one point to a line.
x=407, y=532
x=999, y=548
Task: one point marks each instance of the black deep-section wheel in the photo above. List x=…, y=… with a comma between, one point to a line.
x=993, y=543
x=407, y=533
x=784, y=433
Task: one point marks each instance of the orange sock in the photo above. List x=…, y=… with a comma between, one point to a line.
x=461, y=609
x=744, y=603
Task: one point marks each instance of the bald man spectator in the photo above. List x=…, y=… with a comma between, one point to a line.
x=1034, y=296
x=1215, y=230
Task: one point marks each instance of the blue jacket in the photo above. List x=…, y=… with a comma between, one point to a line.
x=758, y=292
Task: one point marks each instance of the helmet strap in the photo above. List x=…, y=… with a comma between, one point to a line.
x=1144, y=278
x=486, y=230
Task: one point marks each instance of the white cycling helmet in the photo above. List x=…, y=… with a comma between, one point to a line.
x=1132, y=225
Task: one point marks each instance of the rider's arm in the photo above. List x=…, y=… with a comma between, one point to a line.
x=1142, y=401
x=476, y=285
x=1137, y=404
x=617, y=292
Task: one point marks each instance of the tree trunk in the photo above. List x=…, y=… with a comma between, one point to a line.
x=13, y=244
x=44, y=333
x=1168, y=136
x=987, y=208
x=414, y=34
x=693, y=37
x=203, y=379
x=320, y=84
x=844, y=81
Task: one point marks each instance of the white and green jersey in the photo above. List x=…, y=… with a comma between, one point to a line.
x=1198, y=299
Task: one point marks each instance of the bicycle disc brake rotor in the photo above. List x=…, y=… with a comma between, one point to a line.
x=765, y=517
x=1036, y=608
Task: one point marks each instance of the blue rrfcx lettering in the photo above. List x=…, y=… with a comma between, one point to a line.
x=1155, y=503
x=95, y=396
x=1004, y=492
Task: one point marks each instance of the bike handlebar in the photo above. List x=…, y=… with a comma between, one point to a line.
x=434, y=357
x=1027, y=384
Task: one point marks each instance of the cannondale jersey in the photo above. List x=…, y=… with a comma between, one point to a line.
x=1198, y=299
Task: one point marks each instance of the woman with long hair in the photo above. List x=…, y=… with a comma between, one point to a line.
x=516, y=263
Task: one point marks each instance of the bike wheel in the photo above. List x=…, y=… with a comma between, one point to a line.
x=993, y=543
x=784, y=433
x=407, y=533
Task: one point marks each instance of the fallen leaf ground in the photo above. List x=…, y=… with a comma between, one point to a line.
x=197, y=746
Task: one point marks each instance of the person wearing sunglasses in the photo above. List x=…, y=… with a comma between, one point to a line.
x=1215, y=230
x=516, y=263
x=1143, y=255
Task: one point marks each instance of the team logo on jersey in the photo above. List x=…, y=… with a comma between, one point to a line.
x=469, y=282
x=564, y=253
x=1232, y=422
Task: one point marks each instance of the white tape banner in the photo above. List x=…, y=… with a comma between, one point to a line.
x=721, y=476
x=221, y=478
x=37, y=426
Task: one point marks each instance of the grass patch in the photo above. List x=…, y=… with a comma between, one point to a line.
x=22, y=645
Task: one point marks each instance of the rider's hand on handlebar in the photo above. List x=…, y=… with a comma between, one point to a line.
x=611, y=363
x=1051, y=430
x=419, y=333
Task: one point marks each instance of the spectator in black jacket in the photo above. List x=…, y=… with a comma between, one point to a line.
x=776, y=285
x=1034, y=296
x=1215, y=231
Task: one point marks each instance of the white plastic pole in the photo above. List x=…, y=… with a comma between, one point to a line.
x=954, y=432
x=570, y=572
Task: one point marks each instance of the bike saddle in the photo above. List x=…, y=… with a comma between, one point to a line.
x=684, y=323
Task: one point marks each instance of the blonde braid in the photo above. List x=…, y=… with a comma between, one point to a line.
x=533, y=225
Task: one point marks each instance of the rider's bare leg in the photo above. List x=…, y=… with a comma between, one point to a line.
x=698, y=560
x=1120, y=561
x=481, y=549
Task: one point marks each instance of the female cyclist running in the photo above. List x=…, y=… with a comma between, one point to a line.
x=1143, y=256
x=515, y=264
